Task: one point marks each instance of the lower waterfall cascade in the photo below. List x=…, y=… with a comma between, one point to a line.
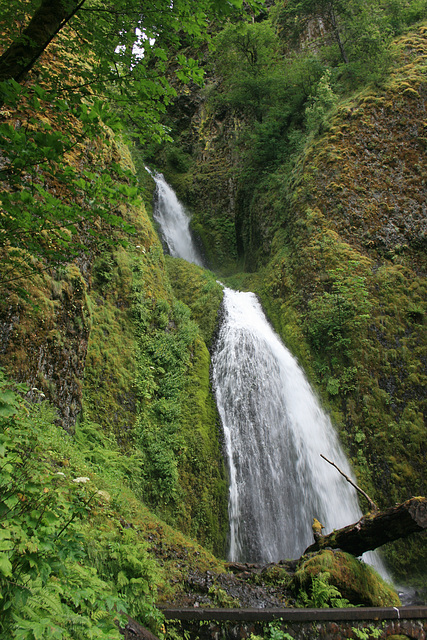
x=274, y=427
x=275, y=431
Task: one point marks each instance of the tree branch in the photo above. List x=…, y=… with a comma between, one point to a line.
x=376, y=529
x=46, y=23
x=371, y=502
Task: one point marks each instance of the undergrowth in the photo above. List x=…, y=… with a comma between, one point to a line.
x=79, y=551
x=54, y=583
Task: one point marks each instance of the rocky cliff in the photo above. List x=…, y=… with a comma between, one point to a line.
x=334, y=242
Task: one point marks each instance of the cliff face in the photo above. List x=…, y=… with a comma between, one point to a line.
x=356, y=271
x=102, y=337
x=337, y=240
x=370, y=181
x=44, y=339
x=116, y=337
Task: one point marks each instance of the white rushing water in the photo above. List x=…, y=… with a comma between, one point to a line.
x=275, y=431
x=274, y=427
x=174, y=223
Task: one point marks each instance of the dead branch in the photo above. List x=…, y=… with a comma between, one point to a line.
x=371, y=502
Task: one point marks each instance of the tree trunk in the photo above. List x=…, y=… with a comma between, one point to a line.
x=376, y=529
x=333, y=22
x=46, y=22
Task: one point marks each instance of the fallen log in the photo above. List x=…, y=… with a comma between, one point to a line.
x=135, y=631
x=377, y=528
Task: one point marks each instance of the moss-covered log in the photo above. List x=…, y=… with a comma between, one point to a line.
x=375, y=529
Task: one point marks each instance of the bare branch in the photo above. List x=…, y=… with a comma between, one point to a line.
x=372, y=504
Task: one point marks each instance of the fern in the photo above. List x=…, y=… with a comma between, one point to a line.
x=323, y=595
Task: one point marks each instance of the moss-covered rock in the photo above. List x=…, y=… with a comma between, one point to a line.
x=356, y=581
x=45, y=325
x=200, y=291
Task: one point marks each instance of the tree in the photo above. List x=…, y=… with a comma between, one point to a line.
x=246, y=58
x=122, y=38
x=360, y=32
x=49, y=18
x=294, y=16
x=71, y=68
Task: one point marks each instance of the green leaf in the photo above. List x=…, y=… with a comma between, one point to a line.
x=160, y=53
x=5, y=565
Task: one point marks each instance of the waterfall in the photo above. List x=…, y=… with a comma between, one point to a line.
x=174, y=223
x=275, y=431
x=274, y=427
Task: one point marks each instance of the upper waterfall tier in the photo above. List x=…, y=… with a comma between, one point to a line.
x=174, y=223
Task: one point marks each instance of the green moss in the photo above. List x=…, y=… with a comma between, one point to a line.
x=199, y=290
x=355, y=580
x=201, y=466
x=48, y=318
x=110, y=395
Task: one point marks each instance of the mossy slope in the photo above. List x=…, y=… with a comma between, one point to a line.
x=338, y=241
x=347, y=278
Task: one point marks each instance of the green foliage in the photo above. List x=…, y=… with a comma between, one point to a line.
x=45, y=196
x=162, y=365
x=120, y=558
x=178, y=160
x=357, y=37
x=245, y=57
x=367, y=632
x=48, y=587
x=338, y=319
x=257, y=82
x=273, y=631
x=322, y=594
x=147, y=357
x=102, y=452
x=10, y=401
x=280, y=103
x=71, y=565
x=200, y=291
x=176, y=425
x=271, y=101
x=320, y=104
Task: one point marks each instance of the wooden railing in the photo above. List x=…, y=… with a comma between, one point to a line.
x=300, y=624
